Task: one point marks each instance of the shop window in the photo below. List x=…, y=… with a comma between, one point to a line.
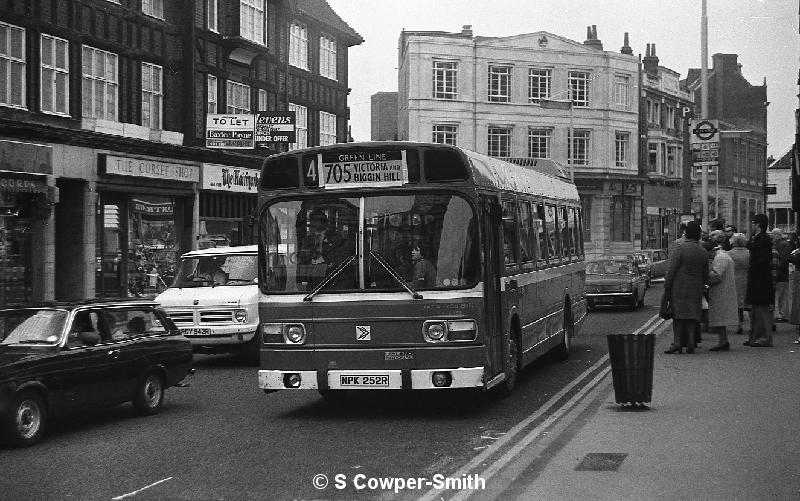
x=153, y=243
x=15, y=249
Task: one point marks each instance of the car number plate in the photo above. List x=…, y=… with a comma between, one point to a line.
x=370, y=381
x=196, y=332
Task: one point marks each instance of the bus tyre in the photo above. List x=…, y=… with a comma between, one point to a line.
x=149, y=394
x=561, y=351
x=24, y=423
x=510, y=366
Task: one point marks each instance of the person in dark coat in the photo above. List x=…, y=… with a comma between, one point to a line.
x=684, y=283
x=760, y=289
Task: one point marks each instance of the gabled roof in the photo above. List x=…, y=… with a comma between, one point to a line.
x=785, y=162
x=322, y=12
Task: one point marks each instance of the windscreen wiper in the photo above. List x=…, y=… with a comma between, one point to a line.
x=330, y=277
x=394, y=274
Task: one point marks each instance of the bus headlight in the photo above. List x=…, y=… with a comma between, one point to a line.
x=240, y=316
x=434, y=331
x=461, y=330
x=295, y=333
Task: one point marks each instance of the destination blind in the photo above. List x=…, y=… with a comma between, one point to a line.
x=367, y=169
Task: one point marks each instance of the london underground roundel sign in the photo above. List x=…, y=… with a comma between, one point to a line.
x=705, y=130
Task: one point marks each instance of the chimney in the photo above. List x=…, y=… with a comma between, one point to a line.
x=725, y=63
x=650, y=60
x=591, y=38
x=626, y=49
x=466, y=30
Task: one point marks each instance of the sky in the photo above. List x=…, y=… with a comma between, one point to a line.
x=764, y=33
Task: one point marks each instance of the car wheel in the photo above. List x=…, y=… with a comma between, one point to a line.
x=634, y=301
x=511, y=366
x=253, y=350
x=149, y=395
x=25, y=422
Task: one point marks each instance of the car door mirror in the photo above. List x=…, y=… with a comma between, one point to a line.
x=89, y=338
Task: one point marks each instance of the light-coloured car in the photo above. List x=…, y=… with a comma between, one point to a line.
x=214, y=300
x=659, y=261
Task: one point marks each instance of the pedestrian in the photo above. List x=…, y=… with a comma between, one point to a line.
x=683, y=285
x=729, y=231
x=794, y=313
x=760, y=291
x=741, y=263
x=782, y=248
x=722, y=301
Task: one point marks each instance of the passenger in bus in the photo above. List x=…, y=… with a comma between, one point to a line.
x=424, y=269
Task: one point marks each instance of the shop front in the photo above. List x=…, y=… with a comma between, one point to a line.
x=25, y=208
x=143, y=223
x=228, y=202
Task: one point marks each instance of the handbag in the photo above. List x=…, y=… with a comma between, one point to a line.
x=666, y=311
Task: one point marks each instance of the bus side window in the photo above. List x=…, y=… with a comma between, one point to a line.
x=510, y=256
x=568, y=249
x=579, y=226
x=553, y=237
x=527, y=245
x=541, y=232
x=576, y=237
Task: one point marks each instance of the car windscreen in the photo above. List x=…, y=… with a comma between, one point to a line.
x=31, y=326
x=417, y=240
x=225, y=269
x=609, y=268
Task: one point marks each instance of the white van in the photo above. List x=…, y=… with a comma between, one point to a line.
x=214, y=300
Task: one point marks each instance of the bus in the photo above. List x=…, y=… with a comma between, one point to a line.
x=404, y=265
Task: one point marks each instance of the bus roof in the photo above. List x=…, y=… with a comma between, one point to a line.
x=541, y=177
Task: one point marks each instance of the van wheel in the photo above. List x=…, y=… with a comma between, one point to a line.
x=253, y=350
x=25, y=421
x=149, y=395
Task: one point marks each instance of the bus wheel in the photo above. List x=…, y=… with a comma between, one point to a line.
x=562, y=349
x=510, y=366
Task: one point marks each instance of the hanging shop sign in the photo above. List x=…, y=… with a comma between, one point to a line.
x=246, y=132
x=150, y=168
x=232, y=179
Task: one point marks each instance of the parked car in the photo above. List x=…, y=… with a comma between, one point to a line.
x=214, y=300
x=641, y=261
x=659, y=262
x=611, y=281
x=60, y=358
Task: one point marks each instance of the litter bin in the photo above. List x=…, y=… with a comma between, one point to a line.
x=631, y=357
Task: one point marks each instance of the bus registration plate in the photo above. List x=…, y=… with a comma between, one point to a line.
x=364, y=381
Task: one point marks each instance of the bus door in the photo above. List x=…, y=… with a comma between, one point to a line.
x=493, y=270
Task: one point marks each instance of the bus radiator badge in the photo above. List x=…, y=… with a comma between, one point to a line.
x=362, y=333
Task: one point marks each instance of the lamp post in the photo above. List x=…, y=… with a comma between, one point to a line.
x=704, y=107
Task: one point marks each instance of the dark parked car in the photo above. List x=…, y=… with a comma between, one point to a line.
x=642, y=262
x=614, y=281
x=59, y=358
x=658, y=262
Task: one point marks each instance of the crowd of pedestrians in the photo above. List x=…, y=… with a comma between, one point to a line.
x=712, y=279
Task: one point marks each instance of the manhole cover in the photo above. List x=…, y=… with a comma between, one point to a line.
x=601, y=461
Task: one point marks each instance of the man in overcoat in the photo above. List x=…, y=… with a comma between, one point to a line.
x=686, y=277
x=760, y=289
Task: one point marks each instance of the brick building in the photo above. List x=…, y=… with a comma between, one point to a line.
x=738, y=191
x=383, y=116
x=103, y=166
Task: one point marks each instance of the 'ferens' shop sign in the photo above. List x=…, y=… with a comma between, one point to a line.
x=148, y=167
x=227, y=178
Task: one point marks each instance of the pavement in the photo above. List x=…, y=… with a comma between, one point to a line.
x=721, y=426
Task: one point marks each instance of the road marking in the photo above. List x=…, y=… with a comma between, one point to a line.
x=140, y=490
x=478, y=460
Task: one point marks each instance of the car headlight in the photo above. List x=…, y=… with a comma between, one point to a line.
x=240, y=315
